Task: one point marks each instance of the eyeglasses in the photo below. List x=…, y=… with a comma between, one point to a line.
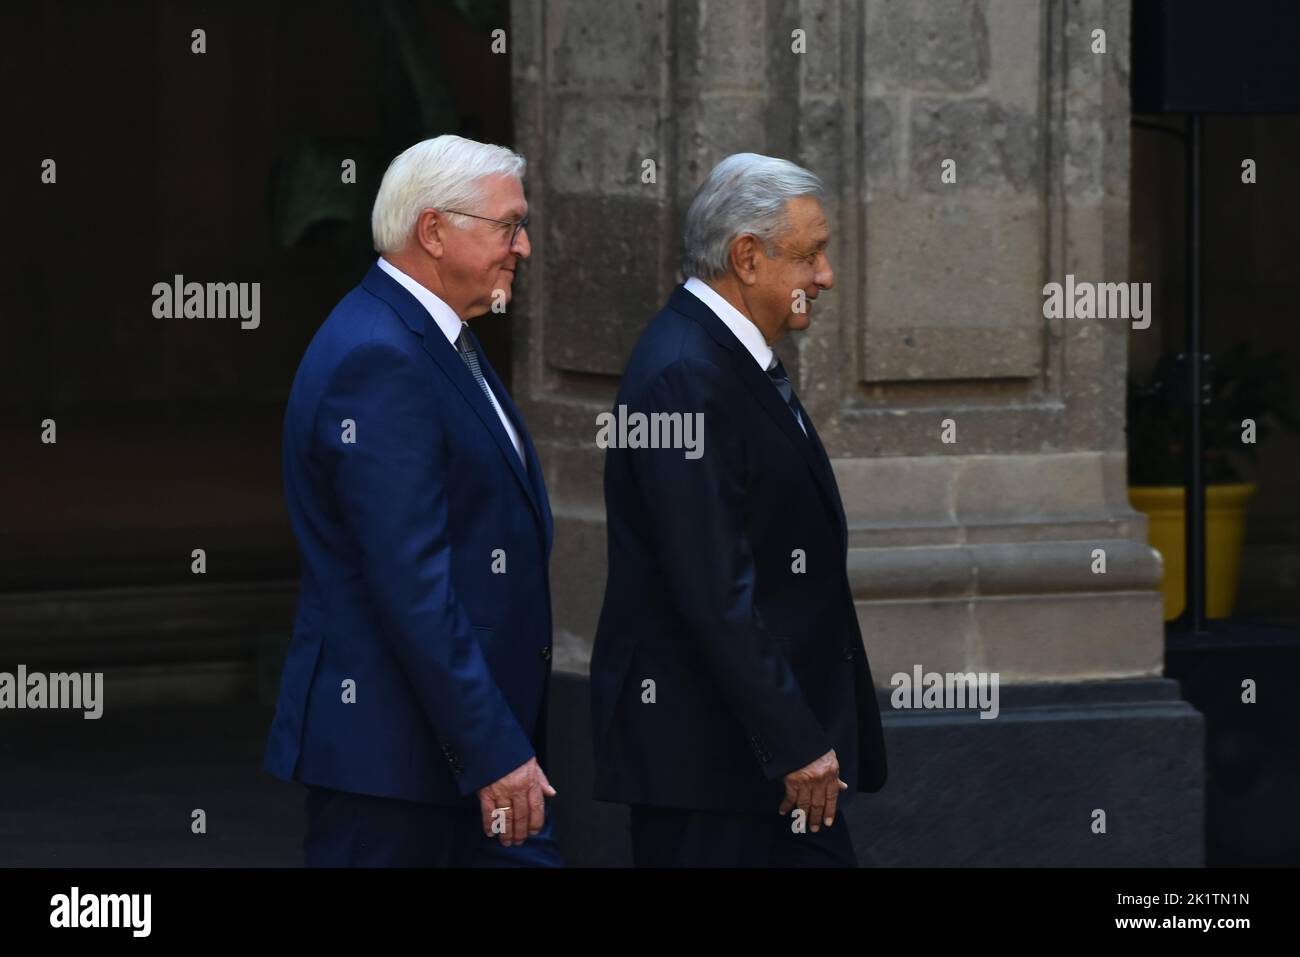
x=521, y=224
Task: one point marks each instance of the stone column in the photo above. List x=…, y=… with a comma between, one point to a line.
x=979, y=447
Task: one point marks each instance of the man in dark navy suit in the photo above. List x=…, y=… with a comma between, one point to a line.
x=733, y=706
x=414, y=690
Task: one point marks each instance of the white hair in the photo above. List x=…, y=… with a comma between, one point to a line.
x=745, y=193
x=440, y=173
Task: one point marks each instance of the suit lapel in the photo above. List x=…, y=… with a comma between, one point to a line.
x=808, y=447
x=541, y=504
x=417, y=318
x=829, y=472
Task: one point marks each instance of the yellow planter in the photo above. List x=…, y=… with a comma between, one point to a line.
x=1225, y=532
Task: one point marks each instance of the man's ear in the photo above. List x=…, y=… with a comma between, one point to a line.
x=744, y=258
x=429, y=231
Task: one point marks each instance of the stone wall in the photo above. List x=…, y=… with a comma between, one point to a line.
x=975, y=553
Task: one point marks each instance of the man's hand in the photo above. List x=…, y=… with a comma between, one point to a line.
x=520, y=793
x=815, y=789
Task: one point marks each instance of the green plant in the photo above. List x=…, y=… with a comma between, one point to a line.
x=306, y=193
x=1243, y=385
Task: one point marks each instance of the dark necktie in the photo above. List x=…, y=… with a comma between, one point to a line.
x=470, y=355
x=776, y=371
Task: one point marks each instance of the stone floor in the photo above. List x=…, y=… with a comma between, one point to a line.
x=120, y=790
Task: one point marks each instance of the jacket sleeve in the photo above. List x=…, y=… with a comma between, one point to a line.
x=390, y=485
x=697, y=506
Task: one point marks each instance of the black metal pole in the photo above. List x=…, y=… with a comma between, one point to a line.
x=1194, y=469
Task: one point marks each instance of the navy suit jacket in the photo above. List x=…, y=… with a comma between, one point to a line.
x=727, y=589
x=403, y=534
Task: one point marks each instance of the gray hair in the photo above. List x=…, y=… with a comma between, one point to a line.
x=435, y=174
x=745, y=193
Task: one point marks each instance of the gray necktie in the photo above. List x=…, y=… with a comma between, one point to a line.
x=470, y=355
x=776, y=371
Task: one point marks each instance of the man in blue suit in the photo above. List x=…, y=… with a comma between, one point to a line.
x=413, y=696
x=729, y=681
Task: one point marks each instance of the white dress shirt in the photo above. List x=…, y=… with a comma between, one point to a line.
x=450, y=324
x=740, y=325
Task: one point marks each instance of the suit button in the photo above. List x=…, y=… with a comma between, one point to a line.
x=546, y=653
x=848, y=652
x=453, y=758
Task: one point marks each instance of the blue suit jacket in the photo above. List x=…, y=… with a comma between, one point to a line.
x=424, y=545
x=728, y=589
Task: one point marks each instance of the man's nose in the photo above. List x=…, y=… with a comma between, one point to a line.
x=522, y=247
x=825, y=277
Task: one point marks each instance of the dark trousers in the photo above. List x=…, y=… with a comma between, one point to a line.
x=672, y=837
x=358, y=830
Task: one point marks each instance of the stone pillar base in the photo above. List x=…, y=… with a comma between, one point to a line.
x=1019, y=790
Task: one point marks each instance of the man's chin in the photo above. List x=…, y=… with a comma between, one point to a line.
x=484, y=310
x=800, y=321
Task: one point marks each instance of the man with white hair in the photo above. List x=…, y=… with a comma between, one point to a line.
x=413, y=694
x=729, y=682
